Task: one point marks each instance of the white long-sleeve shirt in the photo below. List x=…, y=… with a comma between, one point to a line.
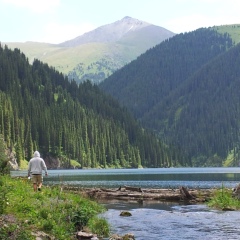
x=36, y=165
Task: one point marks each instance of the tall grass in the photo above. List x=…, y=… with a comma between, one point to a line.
x=224, y=200
x=57, y=213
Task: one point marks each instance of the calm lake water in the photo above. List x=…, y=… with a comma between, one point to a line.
x=160, y=220
x=145, y=178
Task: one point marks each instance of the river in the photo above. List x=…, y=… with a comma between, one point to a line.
x=160, y=220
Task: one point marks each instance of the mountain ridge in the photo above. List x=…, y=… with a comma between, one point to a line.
x=107, y=33
x=80, y=63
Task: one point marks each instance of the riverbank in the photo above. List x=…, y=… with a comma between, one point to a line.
x=46, y=214
x=142, y=194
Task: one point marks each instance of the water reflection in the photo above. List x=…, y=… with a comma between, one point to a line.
x=145, y=178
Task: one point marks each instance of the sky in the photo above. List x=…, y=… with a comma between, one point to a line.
x=56, y=21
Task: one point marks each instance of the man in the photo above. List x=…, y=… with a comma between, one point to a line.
x=35, y=167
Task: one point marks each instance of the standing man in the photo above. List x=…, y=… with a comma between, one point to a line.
x=35, y=167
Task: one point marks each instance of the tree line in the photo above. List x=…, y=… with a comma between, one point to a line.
x=41, y=109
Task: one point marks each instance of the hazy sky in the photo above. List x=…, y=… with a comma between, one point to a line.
x=55, y=21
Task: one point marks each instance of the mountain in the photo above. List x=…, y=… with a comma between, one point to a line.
x=122, y=29
x=97, y=54
x=186, y=90
x=41, y=109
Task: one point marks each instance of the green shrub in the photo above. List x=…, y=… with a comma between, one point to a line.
x=3, y=195
x=47, y=225
x=43, y=213
x=4, y=166
x=99, y=226
x=224, y=200
x=82, y=215
x=14, y=231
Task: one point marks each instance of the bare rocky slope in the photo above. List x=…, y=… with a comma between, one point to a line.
x=115, y=32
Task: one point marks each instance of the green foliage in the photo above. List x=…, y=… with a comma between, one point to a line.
x=4, y=167
x=224, y=200
x=186, y=90
x=69, y=121
x=99, y=226
x=81, y=216
x=55, y=212
x=24, y=164
x=13, y=231
x=76, y=164
x=233, y=31
x=3, y=195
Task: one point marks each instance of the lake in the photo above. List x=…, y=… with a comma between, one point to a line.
x=159, y=220
x=145, y=178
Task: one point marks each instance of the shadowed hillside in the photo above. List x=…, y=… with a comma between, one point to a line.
x=185, y=89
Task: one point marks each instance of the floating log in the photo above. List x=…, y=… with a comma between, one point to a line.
x=139, y=194
x=137, y=189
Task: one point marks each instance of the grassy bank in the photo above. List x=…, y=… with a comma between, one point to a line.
x=52, y=211
x=223, y=199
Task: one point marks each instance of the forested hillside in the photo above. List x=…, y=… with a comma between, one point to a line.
x=186, y=90
x=146, y=81
x=203, y=115
x=40, y=109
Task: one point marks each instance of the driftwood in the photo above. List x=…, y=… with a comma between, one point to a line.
x=134, y=189
x=139, y=194
x=185, y=194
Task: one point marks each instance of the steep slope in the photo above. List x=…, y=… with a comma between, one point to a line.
x=97, y=54
x=108, y=33
x=202, y=116
x=146, y=81
x=185, y=89
x=41, y=109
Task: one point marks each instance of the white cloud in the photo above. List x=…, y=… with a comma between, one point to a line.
x=37, y=6
x=56, y=33
x=204, y=13
x=193, y=22
x=187, y=23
